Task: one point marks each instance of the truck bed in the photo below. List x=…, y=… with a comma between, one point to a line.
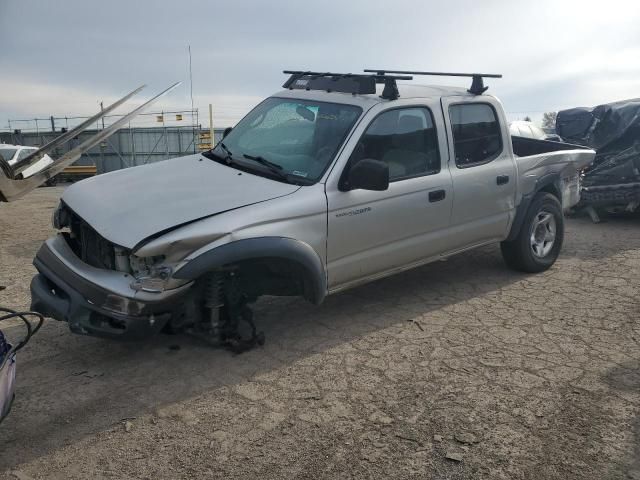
x=538, y=158
x=525, y=147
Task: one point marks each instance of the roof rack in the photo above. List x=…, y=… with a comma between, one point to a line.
x=356, y=84
x=477, y=84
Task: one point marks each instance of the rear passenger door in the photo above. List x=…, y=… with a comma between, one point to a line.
x=482, y=170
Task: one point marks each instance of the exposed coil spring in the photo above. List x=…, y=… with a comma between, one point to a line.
x=213, y=292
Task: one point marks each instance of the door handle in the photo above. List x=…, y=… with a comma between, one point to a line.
x=502, y=179
x=437, y=195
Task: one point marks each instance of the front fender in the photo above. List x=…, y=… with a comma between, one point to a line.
x=289, y=249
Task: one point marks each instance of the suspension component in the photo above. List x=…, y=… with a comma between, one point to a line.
x=213, y=301
x=224, y=307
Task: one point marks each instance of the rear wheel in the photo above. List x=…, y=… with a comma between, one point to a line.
x=539, y=241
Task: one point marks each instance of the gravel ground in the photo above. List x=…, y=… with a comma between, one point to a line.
x=458, y=370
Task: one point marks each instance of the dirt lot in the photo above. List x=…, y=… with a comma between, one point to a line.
x=517, y=376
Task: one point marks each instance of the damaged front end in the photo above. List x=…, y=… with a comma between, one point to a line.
x=106, y=290
x=83, y=278
x=97, y=301
x=101, y=288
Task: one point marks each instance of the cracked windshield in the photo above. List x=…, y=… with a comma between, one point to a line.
x=301, y=137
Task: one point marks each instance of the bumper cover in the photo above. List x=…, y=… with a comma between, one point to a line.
x=97, y=302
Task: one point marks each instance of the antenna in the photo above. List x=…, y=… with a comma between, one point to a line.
x=193, y=129
x=477, y=84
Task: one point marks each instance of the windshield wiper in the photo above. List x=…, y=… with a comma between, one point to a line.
x=227, y=157
x=273, y=167
x=227, y=151
x=263, y=161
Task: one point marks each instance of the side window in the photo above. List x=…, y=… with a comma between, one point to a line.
x=24, y=153
x=405, y=139
x=476, y=133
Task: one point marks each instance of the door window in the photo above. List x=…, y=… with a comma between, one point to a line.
x=476, y=133
x=24, y=153
x=7, y=153
x=405, y=139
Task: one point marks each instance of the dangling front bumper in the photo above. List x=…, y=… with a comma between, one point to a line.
x=98, y=302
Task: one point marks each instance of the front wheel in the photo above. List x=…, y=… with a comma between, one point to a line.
x=539, y=241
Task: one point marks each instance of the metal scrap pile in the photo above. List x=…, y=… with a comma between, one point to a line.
x=613, y=130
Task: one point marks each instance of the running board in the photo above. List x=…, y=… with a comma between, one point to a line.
x=12, y=183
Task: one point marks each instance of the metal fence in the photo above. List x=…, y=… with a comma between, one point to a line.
x=126, y=148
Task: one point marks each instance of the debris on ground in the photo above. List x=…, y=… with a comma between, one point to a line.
x=455, y=456
x=177, y=413
x=380, y=418
x=407, y=438
x=21, y=475
x=465, y=437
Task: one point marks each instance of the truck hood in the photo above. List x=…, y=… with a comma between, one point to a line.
x=128, y=206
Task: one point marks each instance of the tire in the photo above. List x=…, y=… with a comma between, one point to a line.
x=539, y=241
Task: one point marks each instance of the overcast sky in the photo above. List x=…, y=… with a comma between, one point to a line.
x=62, y=57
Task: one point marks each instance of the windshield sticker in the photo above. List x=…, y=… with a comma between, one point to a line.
x=298, y=173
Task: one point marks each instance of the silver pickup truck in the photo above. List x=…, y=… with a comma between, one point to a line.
x=336, y=181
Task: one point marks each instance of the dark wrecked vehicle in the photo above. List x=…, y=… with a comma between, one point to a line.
x=612, y=181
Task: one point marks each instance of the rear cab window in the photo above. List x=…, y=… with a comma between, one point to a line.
x=477, y=137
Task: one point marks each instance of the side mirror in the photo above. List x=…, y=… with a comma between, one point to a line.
x=227, y=131
x=369, y=174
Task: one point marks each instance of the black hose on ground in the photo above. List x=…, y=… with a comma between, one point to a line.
x=31, y=330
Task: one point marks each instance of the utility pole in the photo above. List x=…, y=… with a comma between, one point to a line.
x=193, y=128
x=211, y=125
x=166, y=137
x=102, y=144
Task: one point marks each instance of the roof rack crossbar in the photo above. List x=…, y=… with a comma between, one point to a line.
x=477, y=84
x=382, y=77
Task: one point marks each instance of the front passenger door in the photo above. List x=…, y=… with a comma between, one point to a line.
x=373, y=232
